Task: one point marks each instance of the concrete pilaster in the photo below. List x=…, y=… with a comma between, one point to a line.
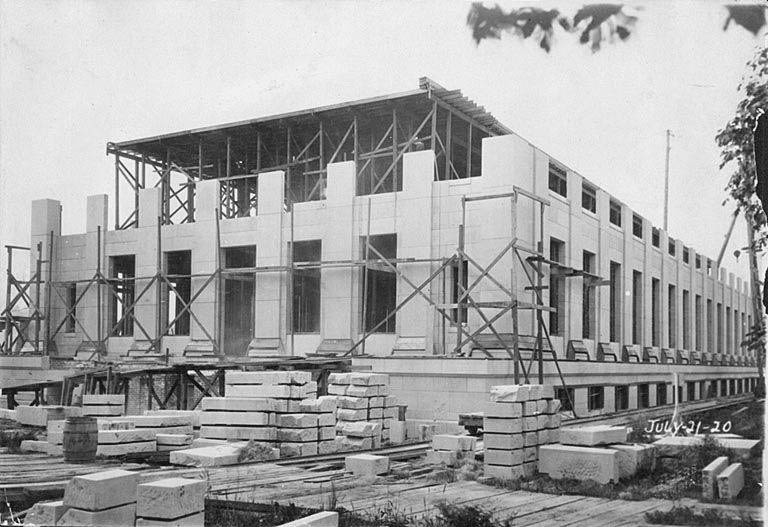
x=204, y=260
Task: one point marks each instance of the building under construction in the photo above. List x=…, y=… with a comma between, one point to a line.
x=412, y=234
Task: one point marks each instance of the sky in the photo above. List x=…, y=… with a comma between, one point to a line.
x=77, y=74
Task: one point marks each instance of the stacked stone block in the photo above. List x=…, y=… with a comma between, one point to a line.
x=287, y=388
x=55, y=436
x=451, y=450
x=709, y=477
x=103, y=405
x=516, y=421
x=171, y=442
x=324, y=408
x=362, y=398
x=101, y=499
x=298, y=434
x=171, y=502
x=239, y=419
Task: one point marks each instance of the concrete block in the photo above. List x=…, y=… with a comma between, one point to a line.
x=114, y=517
x=239, y=433
x=709, y=477
x=235, y=404
x=502, y=472
x=345, y=414
x=126, y=436
x=530, y=424
x=593, y=435
x=339, y=378
x=328, y=447
x=297, y=435
x=193, y=520
x=504, y=457
x=101, y=490
x=503, y=441
x=508, y=410
x=530, y=439
x=326, y=419
x=39, y=415
x=212, y=456
x=174, y=439
x=634, y=457
x=323, y=404
x=502, y=426
x=171, y=498
x=576, y=462
x=103, y=400
x=121, y=449
x=396, y=432
x=730, y=482
x=288, y=449
x=296, y=420
x=337, y=389
x=320, y=519
x=516, y=393
x=45, y=513
x=362, y=391
x=454, y=443
x=355, y=443
x=367, y=464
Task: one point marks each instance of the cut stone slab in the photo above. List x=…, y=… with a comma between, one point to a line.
x=351, y=403
x=337, y=389
x=593, y=435
x=359, y=429
x=709, y=477
x=114, y=424
x=296, y=420
x=320, y=519
x=553, y=406
x=530, y=424
x=212, y=456
x=339, y=378
x=673, y=445
x=515, y=393
x=45, y=513
x=238, y=404
x=326, y=419
x=367, y=465
x=502, y=426
x=530, y=453
x=576, y=462
x=115, y=517
x=171, y=498
x=290, y=449
x=635, y=457
x=448, y=458
x=355, y=443
x=321, y=405
x=193, y=520
x=43, y=447
x=326, y=433
x=297, y=435
x=258, y=377
x=192, y=415
x=530, y=439
x=369, y=379
x=39, y=415
x=547, y=391
x=534, y=391
x=101, y=490
x=103, y=411
x=174, y=439
x=454, y=443
x=730, y=482
x=375, y=413
x=239, y=433
x=236, y=418
x=121, y=449
x=503, y=441
x=362, y=391
x=502, y=472
x=126, y=436
x=283, y=391
x=504, y=457
x=508, y=410
x=396, y=432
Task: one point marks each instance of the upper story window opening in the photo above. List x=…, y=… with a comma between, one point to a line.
x=655, y=237
x=588, y=197
x=615, y=213
x=637, y=226
x=686, y=254
x=558, y=180
x=671, y=248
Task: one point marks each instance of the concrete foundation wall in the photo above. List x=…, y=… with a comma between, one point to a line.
x=425, y=216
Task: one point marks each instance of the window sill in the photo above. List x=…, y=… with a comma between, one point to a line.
x=559, y=197
x=615, y=227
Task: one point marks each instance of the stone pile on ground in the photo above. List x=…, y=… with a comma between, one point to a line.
x=451, y=450
x=324, y=409
x=171, y=502
x=238, y=419
x=362, y=398
x=107, y=405
x=599, y=453
x=112, y=443
x=517, y=420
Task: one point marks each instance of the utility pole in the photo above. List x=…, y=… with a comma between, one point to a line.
x=666, y=186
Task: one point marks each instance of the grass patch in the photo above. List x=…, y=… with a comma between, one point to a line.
x=688, y=516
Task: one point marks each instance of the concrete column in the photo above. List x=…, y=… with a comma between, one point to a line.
x=610, y=399
x=87, y=313
x=146, y=263
x=270, y=252
x=414, y=240
x=46, y=218
x=575, y=249
x=664, y=292
x=652, y=395
x=339, y=305
x=632, y=397
x=627, y=269
x=580, y=401
x=204, y=260
x=679, y=292
x=603, y=294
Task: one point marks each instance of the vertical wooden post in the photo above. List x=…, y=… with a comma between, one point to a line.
x=448, y=147
x=395, y=148
x=48, y=285
x=9, y=275
x=117, y=190
x=99, y=336
x=38, y=276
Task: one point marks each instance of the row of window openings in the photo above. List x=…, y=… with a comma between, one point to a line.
x=380, y=293
x=694, y=390
x=558, y=184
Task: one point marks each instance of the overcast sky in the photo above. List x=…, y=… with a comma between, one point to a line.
x=76, y=74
